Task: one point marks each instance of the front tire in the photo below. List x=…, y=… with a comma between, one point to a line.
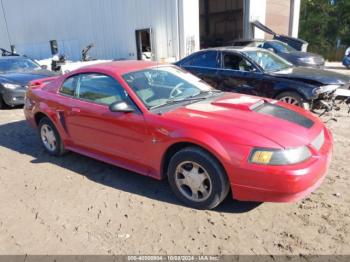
x=50, y=138
x=2, y=103
x=197, y=178
x=293, y=98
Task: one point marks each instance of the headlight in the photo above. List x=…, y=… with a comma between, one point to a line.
x=309, y=60
x=279, y=157
x=11, y=86
x=326, y=89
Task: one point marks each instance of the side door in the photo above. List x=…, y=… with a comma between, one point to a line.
x=204, y=65
x=238, y=75
x=93, y=127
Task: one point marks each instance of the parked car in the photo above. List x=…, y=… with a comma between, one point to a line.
x=162, y=122
x=346, y=59
x=297, y=43
x=15, y=73
x=61, y=64
x=297, y=58
x=259, y=72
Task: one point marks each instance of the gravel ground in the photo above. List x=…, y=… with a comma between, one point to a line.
x=76, y=205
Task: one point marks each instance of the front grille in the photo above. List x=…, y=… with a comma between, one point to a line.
x=318, y=141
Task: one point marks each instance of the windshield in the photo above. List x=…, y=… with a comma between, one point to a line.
x=17, y=64
x=281, y=47
x=160, y=85
x=268, y=61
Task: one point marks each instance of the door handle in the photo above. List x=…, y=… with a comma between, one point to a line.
x=75, y=110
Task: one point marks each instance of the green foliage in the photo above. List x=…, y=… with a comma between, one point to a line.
x=322, y=24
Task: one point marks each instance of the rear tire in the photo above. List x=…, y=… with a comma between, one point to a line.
x=197, y=178
x=2, y=103
x=293, y=98
x=50, y=138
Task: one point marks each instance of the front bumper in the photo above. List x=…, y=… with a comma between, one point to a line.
x=282, y=183
x=14, y=97
x=315, y=64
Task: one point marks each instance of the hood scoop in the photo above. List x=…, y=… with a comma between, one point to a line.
x=284, y=113
x=247, y=103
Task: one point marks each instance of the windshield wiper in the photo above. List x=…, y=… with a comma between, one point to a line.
x=174, y=101
x=195, y=97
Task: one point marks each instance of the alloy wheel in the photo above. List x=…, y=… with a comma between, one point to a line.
x=193, y=181
x=48, y=137
x=290, y=100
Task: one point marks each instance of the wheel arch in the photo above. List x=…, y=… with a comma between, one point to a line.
x=290, y=90
x=40, y=115
x=305, y=90
x=176, y=147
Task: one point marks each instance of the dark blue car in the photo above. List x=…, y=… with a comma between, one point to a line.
x=260, y=72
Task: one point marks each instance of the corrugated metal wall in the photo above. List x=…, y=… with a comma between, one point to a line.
x=109, y=24
x=4, y=40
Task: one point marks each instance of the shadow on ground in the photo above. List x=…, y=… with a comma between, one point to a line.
x=19, y=137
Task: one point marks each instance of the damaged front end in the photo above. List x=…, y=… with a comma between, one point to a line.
x=329, y=99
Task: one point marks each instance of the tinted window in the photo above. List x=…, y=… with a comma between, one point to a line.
x=158, y=86
x=268, y=61
x=236, y=62
x=17, y=64
x=205, y=59
x=100, y=89
x=68, y=87
x=280, y=47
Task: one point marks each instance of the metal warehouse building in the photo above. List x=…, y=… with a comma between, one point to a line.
x=125, y=29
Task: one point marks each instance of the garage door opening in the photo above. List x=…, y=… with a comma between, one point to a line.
x=221, y=21
x=144, y=44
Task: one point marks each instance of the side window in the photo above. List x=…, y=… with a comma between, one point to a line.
x=236, y=62
x=99, y=89
x=207, y=59
x=68, y=87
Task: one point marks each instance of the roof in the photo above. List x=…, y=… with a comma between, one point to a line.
x=11, y=57
x=234, y=48
x=122, y=67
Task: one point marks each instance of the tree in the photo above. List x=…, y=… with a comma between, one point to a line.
x=323, y=23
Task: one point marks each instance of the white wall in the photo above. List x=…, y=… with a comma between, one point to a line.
x=257, y=11
x=188, y=26
x=295, y=17
x=109, y=24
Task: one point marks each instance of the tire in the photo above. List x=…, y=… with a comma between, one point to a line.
x=2, y=103
x=293, y=98
x=50, y=138
x=203, y=173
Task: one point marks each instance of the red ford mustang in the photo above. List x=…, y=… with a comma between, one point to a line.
x=161, y=121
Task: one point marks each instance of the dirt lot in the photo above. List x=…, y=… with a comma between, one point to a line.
x=76, y=205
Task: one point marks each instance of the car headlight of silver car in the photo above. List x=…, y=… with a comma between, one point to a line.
x=11, y=86
x=306, y=60
x=326, y=89
x=279, y=156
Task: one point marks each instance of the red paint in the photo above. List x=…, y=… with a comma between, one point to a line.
x=226, y=127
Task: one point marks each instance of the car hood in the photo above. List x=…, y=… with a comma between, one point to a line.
x=324, y=77
x=22, y=78
x=238, y=117
x=299, y=54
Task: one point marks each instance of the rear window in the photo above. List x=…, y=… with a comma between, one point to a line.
x=205, y=59
x=68, y=87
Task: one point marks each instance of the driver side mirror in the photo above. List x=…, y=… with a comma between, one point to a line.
x=271, y=49
x=122, y=106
